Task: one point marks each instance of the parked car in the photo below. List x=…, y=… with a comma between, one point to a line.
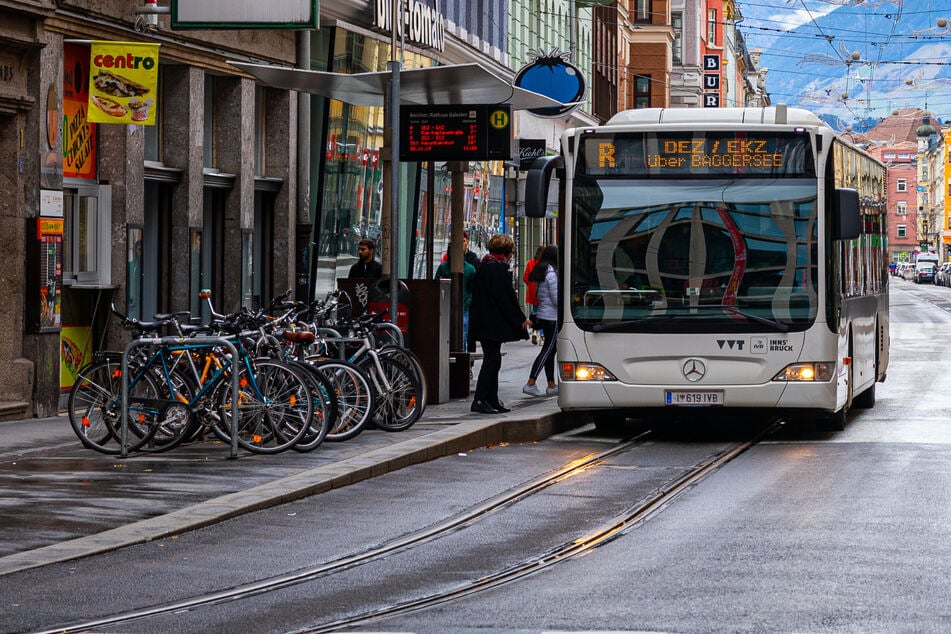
x=924, y=272
x=943, y=277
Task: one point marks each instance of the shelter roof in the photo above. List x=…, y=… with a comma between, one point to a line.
x=438, y=85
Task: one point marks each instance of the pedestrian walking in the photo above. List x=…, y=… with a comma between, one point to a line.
x=545, y=276
x=531, y=295
x=494, y=318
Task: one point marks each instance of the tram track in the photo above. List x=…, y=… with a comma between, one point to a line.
x=631, y=517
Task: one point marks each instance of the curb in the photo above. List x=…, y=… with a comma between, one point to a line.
x=464, y=436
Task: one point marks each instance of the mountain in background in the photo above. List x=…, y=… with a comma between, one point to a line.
x=853, y=65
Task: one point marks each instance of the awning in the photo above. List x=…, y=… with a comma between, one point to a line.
x=438, y=85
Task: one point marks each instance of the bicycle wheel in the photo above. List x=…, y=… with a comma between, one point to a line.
x=325, y=407
x=355, y=399
x=174, y=420
x=399, y=403
x=95, y=408
x=274, y=407
x=93, y=399
x=408, y=358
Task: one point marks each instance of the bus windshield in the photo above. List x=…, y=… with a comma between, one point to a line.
x=693, y=254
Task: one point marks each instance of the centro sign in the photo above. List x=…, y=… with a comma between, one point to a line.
x=420, y=24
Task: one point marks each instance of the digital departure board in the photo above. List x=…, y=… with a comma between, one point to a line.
x=696, y=153
x=456, y=133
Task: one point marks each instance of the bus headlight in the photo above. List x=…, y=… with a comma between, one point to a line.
x=819, y=371
x=577, y=371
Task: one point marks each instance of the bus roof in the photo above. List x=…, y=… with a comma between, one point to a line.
x=774, y=114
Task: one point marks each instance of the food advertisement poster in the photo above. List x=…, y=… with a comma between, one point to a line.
x=75, y=352
x=79, y=136
x=123, y=82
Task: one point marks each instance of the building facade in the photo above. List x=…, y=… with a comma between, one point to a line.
x=902, y=198
x=240, y=188
x=139, y=217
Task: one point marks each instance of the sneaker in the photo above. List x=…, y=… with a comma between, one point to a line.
x=551, y=391
x=532, y=390
x=534, y=339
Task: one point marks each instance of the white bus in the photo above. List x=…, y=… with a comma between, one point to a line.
x=717, y=258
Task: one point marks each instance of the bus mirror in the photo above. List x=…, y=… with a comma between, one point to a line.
x=847, y=220
x=537, y=184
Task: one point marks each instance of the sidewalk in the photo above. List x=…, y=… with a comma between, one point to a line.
x=61, y=501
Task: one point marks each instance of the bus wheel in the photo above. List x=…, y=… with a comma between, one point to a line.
x=832, y=422
x=609, y=422
x=865, y=400
x=837, y=420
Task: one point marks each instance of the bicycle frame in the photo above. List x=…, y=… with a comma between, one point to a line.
x=169, y=343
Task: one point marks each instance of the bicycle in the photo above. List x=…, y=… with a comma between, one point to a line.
x=274, y=402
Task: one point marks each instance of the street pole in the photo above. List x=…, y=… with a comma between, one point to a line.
x=393, y=117
x=457, y=170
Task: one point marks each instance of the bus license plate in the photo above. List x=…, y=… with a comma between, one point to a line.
x=689, y=398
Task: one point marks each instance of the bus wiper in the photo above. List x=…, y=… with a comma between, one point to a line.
x=627, y=323
x=621, y=325
x=778, y=325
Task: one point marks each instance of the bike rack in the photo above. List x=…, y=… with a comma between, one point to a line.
x=171, y=341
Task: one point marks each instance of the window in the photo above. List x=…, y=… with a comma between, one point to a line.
x=642, y=92
x=642, y=11
x=902, y=208
x=902, y=231
x=677, y=22
x=87, y=244
x=153, y=136
x=712, y=27
x=901, y=185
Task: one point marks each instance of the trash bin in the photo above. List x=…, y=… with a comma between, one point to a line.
x=423, y=317
x=429, y=333
x=460, y=374
x=378, y=301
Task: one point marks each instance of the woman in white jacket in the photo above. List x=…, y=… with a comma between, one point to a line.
x=545, y=276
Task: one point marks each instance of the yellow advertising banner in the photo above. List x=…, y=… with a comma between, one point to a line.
x=75, y=352
x=123, y=82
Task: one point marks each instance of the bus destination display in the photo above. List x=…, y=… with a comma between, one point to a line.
x=455, y=133
x=647, y=154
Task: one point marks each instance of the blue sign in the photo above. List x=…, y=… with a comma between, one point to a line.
x=552, y=75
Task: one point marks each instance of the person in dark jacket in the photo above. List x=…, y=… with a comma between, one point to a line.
x=366, y=266
x=494, y=318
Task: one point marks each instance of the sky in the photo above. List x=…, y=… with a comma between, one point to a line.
x=903, y=58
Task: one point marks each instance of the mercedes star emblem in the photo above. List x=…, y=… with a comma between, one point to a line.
x=694, y=369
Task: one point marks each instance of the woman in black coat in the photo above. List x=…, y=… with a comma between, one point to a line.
x=494, y=318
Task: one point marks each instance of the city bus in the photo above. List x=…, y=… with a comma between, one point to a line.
x=729, y=258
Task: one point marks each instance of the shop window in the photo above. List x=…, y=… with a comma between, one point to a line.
x=153, y=133
x=87, y=244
